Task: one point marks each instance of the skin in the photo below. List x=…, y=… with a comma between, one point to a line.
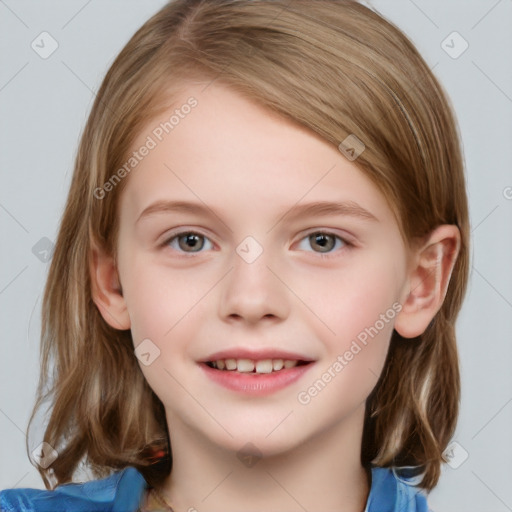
x=251, y=167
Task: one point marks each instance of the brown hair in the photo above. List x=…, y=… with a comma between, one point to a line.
x=333, y=66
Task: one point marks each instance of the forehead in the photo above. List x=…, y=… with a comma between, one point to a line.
x=227, y=150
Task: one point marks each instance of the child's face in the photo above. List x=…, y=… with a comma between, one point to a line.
x=253, y=279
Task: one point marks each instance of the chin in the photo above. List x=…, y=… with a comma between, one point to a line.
x=268, y=438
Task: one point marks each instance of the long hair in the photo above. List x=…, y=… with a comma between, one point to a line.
x=333, y=66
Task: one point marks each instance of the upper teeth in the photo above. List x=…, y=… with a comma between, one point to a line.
x=248, y=365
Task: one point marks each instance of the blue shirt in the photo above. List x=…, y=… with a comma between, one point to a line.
x=124, y=491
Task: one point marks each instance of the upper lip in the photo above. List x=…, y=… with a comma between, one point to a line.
x=255, y=355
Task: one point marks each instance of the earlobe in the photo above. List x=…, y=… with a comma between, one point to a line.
x=428, y=280
x=106, y=289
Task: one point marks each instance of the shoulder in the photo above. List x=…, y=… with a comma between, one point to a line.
x=394, y=490
x=120, y=492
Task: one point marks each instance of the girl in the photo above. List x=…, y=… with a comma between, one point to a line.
x=252, y=298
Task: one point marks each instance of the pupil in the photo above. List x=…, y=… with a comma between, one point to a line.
x=191, y=241
x=324, y=241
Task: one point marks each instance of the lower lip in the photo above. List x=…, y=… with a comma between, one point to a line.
x=256, y=384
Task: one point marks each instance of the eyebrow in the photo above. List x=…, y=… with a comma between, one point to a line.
x=315, y=209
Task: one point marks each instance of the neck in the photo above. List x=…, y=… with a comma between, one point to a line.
x=322, y=473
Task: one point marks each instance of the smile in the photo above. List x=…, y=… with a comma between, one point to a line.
x=255, y=377
x=263, y=366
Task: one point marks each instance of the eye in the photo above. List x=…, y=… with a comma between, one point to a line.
x=188, y=241
x=323, y=241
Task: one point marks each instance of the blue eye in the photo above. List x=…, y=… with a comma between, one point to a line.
x=324, y=241
x=188, y=241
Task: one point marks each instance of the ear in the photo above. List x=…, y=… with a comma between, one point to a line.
x=432, y=265
x=106, y=289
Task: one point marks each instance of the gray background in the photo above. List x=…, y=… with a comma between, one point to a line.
x=44, y=104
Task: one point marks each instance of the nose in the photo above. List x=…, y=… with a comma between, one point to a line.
x=252, y=291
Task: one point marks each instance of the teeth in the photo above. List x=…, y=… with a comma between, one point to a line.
x=250, y=366
x=277, y=364
x=230, y=364
x=264, y=366
x=245, y=365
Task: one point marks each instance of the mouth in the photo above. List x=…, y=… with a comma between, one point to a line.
x=255, y=366
x=255, y=373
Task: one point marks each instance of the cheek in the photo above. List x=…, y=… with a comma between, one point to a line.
x=357, y=307
x=158, y=297
x=163, y=304
x=355, y=354
x=357, y=298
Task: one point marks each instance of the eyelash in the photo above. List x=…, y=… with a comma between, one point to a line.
x=333, y=253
